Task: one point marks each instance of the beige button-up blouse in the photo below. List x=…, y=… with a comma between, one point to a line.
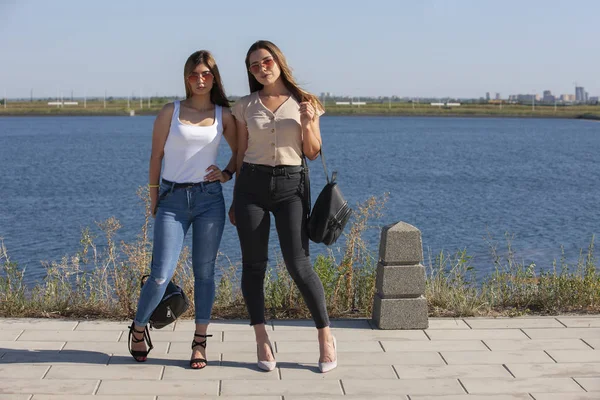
x=273, y=138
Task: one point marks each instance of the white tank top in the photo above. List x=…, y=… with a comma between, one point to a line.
x=190, y=150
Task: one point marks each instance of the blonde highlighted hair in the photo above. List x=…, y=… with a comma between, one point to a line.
x=299, y=94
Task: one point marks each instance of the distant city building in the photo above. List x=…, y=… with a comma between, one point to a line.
x=524, y=98
x=487, y=96
x=497, y=96
x=567, y=98
x=579, y=94
x=586, y=97
x=548, y=97
x=594, y=99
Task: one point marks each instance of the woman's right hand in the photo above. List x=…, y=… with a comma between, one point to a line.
x=232, y=215
x=153, y=201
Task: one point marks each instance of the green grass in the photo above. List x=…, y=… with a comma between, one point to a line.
x=103, y=281
x=120, y=107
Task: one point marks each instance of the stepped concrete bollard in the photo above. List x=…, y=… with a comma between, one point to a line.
x=399, y=301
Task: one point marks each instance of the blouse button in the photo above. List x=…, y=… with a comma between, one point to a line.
x=272, y=130
x=273, y=144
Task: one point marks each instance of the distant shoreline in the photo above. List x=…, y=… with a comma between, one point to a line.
x=591, y=117
x=119, y=108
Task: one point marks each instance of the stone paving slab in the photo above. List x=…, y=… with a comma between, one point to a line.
x=454, y=359
x=116, y=347
x=590, y=384
x=171, y=388
x=562, y=333
x=212, y=347
x=537, y=344
x=447, y=323
x=44, y=386
x=595, y=343
x=570, y=356
x=247, y=397
x=513, y=396
x=23, y=371
x=284, y=388
x=118, y=372
x=554, y=370
x=477, y=334
x=241, y=371
x=341, y=372
x=344, y=335
x=108, y=326
x=347, y=397
x=15, y=396
x=54, y=358
x=33, y=324
x=299, y=325
x=218, y=325
x=402, y=387
x=80, y=397
x=343, y=347
x=15, y=346
x=175, y=360
x=526, y=385
x=434, y=345
x=451, y=371
x=581, y=322
x=67, y=336
x=566, y=396
x=177, y=336
x=513, y=323
x=496, y=357
x=10, y=335
x=416, y=358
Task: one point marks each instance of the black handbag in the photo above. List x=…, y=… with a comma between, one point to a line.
x=173, y=304
x=331, y=212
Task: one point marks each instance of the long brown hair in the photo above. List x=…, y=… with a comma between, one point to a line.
x=286, y=74
x=217, y=93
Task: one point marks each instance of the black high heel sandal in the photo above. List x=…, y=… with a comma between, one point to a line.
x=139, y=355
x=195, y=344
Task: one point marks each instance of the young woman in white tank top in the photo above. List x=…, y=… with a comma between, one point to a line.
x=189, y=194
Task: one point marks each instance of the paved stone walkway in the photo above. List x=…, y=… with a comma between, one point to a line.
x=455, y=359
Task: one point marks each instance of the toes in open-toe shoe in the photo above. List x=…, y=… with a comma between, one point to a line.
x=195, y=361
x=139, y=355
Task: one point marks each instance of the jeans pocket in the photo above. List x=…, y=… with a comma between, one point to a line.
x=214, y=189
x=164, y=191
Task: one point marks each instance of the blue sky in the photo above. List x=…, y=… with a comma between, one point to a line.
x=457, y=48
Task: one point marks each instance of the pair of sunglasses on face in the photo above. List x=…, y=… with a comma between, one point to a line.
x=255, y=68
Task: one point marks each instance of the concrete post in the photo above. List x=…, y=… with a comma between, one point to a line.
x=400, y=282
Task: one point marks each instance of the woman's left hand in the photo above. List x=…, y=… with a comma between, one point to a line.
x=307, y=112
x=215, y=174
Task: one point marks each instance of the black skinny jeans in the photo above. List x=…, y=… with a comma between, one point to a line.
x=260, y=190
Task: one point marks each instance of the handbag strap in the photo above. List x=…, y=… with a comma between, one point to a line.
x=334, y=174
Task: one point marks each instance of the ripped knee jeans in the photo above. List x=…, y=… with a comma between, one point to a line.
x=201, y=208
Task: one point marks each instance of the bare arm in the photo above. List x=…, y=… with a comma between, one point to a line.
x=160, y=133
x=229, y=131
x=311, y=131
x=242, y=146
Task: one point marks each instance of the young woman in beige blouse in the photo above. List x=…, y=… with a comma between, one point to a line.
x=277, y=123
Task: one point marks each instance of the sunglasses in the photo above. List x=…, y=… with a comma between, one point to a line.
x=267, y=63
x=195, y=77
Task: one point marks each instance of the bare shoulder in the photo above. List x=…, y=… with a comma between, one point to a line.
x=227, y=114
x=166, y=111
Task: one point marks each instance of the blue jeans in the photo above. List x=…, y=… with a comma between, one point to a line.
x=203, y=207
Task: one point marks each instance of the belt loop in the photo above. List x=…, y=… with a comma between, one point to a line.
x=172, y=187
